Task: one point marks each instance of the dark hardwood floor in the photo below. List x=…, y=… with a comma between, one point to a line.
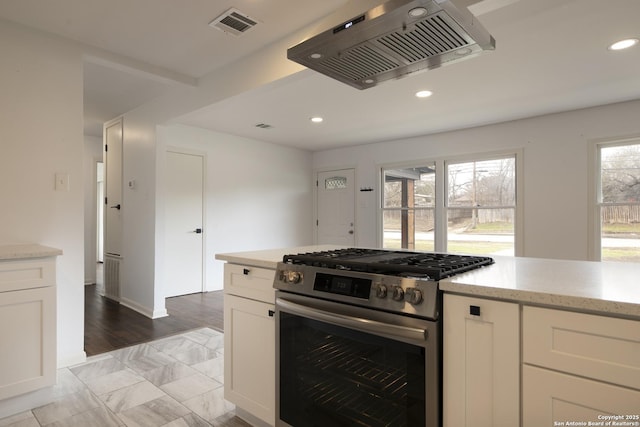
x=109, y=326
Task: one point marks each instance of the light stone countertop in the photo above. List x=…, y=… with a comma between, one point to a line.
x=611, y=288
x=25, y=251
x=599, y=287
x=270, y=258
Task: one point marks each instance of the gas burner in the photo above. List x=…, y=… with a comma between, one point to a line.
x=435, y=266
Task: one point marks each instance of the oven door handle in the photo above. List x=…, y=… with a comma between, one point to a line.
x=367, y=325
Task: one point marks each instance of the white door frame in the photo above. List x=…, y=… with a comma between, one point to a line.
x=316, y=173
x=203, y=154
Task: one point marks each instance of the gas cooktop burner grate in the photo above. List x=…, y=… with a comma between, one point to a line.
x=434, y=266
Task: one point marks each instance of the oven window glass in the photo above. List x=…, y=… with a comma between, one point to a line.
x=334, y=376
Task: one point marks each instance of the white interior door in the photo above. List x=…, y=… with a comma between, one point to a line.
x=336, y=208
x=113, y=188
x=184, y=224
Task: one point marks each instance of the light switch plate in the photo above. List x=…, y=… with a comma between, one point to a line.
x=62, y=181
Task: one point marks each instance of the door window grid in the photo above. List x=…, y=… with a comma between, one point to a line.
x=476, y=215
x=618, y=201
x=335, y=183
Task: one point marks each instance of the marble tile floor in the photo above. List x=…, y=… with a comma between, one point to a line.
x=172, y=382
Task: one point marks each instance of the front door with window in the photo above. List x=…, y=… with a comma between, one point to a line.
x=336, y=208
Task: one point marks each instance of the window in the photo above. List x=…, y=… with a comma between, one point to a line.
x=618, y=201
x=466, y=206
x=408, y=208
x=481, y=206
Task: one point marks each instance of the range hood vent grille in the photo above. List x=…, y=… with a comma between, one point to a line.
x=233, y=22
x=431, y=37
x=359, y=63
x=388, y=43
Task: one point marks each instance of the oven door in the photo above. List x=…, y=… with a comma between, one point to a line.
x=340, y=365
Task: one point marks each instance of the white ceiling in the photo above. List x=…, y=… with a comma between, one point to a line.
x=551, y=56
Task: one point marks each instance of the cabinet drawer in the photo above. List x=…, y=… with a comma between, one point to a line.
x=249, y=282
x=592, y=346
x=552, y=398
x=16, y=275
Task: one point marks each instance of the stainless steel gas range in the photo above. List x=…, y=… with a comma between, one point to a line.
x=359, y=337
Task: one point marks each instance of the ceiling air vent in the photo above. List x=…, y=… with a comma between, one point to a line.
x=233, y=22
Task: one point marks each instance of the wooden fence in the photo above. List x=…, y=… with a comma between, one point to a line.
x=621, y=214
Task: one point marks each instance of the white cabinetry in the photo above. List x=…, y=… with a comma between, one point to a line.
x=481, y=363
x=249, y=340
x=579, y=367
x=27, y=325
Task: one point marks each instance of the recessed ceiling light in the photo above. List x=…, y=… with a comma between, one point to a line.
x=623, y=44
x=316, y=119
x=315, y=56
x=424, y=94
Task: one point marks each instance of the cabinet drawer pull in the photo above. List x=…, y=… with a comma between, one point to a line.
x=474, y=310
x=246, y=271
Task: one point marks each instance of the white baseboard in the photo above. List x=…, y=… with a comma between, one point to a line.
x=27, y=401
x=145, y=311
x=72, y=360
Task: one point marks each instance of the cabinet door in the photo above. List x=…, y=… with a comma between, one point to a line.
x=481, y=363
x=28, y=339
x=249, y=356
x=554, y=398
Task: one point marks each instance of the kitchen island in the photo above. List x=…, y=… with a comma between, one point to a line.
x=526, y=341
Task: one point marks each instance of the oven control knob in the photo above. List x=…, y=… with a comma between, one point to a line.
x=381, y=291
x=413, y=296
x=293, y=276
x=398, y=293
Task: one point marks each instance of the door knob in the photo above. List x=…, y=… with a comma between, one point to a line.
x=116, y=206
x=198, y=230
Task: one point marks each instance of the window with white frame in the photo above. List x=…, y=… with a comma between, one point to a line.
x=481, y=206
x=408, y=207
x=618, y=201
x=475, y=212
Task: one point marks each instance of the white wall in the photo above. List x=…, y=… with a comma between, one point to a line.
x=555, y=170
x=258, y=195
x=92, y=155
x=41, y=134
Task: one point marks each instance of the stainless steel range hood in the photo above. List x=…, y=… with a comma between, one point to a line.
x=393, y=40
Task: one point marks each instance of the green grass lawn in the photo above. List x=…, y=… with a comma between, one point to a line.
x=618, y=228
x=621, y=254
x=491, y=228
